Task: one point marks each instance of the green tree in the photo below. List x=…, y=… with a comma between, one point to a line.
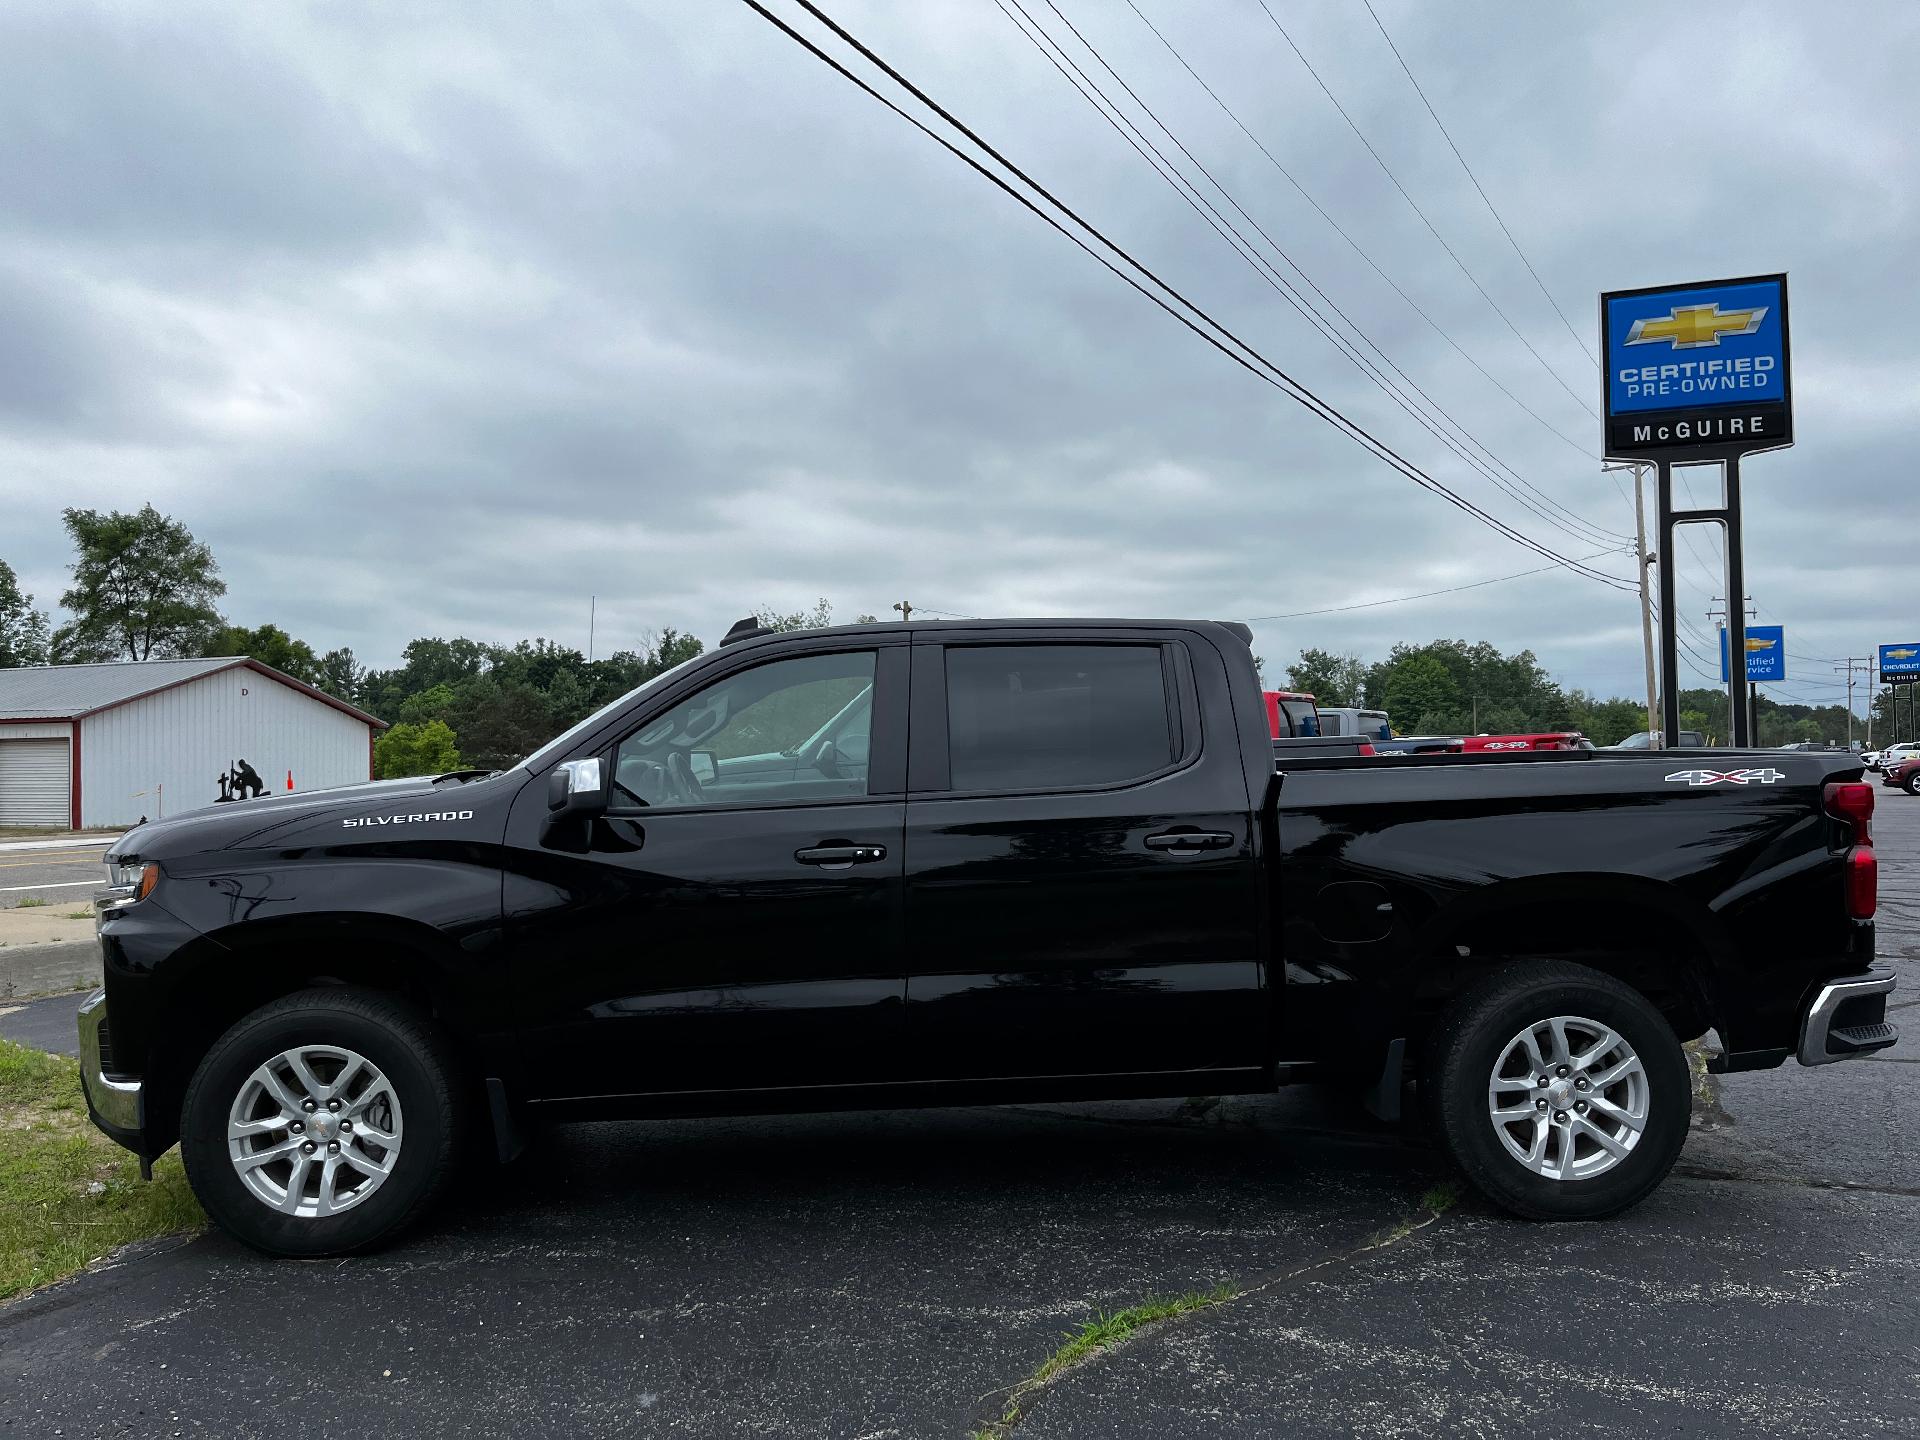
x=427, y=749
x=23, y=629
x=817, y=618
x=673, y=648
x=341, y=675
x=428, y=661
x=1418, y=690
x=268, y=644
x=143, y=587
x=430, y=704
x=1331, y=679
x=500, y=723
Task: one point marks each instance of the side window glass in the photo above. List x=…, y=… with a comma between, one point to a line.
x=1025, y=717
x=792, y=730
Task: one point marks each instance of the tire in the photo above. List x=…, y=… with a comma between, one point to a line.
x=384, y=1176
x=1911, y=783
x=1478, y=1043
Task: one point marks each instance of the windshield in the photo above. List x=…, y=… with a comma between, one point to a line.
x=555, y=750
x=1305, y=719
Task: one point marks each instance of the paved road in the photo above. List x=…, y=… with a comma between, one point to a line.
x=47, y=1024
x=60, y=875
x=891, y=1274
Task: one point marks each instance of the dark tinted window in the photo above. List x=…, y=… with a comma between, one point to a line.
x=1026, y=717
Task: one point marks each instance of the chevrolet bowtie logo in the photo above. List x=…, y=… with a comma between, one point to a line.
x=1903, y=653
x=1694, y=327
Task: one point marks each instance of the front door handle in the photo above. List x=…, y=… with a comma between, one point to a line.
x=1189, y=841
x=839, y=857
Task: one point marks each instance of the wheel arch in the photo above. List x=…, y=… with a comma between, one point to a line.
x=227, y=974
x=1643, y=932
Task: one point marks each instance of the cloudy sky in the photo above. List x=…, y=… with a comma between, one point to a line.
x=442, y=318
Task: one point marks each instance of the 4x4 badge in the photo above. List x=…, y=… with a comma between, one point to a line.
x=1730, y=777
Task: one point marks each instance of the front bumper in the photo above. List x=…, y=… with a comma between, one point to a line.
x=117, y=1105
x=1848, y=1019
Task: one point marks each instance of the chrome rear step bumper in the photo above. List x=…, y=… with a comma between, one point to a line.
x=1847, y=1019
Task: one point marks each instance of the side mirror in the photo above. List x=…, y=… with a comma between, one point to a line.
x=575, y=787
x=705, y=766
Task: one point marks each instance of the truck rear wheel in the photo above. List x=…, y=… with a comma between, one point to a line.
x=1562, y=1093
x=322, y=1123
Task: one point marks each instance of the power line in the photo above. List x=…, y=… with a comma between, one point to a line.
x=1163, y=166
x=1258, y=365
x=1452, y=254
x=1360, y=250
x=1423, y=595
x=1485, y=198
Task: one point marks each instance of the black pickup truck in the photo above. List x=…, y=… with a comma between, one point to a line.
x=956, y=863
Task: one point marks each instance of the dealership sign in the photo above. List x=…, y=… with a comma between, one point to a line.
x=1697, y=368
x=1766, y=653
x=1900, y=664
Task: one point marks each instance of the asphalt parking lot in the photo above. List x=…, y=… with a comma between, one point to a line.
x=893, y=1274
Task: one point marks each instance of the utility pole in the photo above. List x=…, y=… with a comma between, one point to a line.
x=1646, y=596
x=1854, y=663
x=593, y=602
x=905, y=608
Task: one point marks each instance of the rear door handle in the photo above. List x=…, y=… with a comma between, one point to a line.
x=839, y=857
x=1189, y=840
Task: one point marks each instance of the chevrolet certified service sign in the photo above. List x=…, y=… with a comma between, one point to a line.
x=1766, y=653
x=1697, y=367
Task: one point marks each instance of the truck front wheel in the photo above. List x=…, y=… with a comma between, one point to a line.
x=322, y=1123
x=1562, y=1093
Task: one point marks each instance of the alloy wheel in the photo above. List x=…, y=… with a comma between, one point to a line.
x=314, y=1131
x=1568, y=1098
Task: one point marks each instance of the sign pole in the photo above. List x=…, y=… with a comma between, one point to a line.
x=1669, y=609
x=1646, y=598
x=1736, y=609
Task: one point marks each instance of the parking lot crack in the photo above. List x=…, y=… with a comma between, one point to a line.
x=1704, y=1172
x=1107, y=1332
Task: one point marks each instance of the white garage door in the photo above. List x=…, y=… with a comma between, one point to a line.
x=34, y=783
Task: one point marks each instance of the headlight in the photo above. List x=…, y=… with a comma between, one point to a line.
x=132, y=880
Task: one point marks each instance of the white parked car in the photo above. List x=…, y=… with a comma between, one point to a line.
x=1883, y=760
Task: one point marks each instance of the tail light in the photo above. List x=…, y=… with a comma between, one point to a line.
x=1852, y=801
x=1863, y=882
x=1366, y=749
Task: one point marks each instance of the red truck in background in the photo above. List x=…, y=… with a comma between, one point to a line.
x=1546, y=740
x=1291, y=714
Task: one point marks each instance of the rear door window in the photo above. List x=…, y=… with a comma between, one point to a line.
x=1041, y=717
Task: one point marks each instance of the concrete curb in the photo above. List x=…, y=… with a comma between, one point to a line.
x=28, y=970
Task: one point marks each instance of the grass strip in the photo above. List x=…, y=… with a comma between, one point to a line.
x=1100, y=1333
x=69, y=1195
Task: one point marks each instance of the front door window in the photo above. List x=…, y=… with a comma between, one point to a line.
x=790, y=732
